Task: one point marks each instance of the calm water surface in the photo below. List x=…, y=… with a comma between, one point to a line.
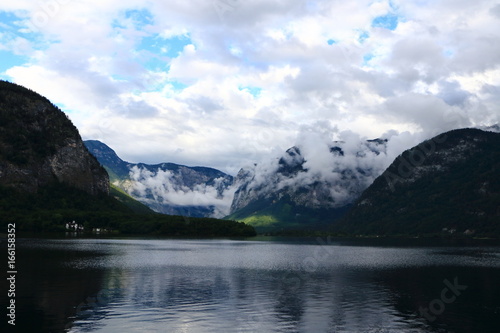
x=134, y=285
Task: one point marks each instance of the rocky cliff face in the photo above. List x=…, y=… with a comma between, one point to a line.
x=40, y=145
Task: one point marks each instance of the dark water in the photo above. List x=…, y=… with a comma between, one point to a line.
x=102, y=285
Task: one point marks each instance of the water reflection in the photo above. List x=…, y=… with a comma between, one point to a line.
x=235, y=286
x=47, y=291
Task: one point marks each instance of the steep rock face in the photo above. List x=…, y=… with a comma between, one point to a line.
x=450, y=182
x=40, y=145
x=168, y=188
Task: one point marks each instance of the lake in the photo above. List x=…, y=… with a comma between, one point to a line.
x=260, y=285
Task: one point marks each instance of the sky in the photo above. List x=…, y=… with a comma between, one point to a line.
x=226, y=83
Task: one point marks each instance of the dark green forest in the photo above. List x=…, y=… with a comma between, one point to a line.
x=55, y=205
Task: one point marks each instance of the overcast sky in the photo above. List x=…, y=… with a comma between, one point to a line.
x=223, y=83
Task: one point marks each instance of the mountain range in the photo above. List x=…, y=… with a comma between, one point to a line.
x=299, y=190
x=341, y=187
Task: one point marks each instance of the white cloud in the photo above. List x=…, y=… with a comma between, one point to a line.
x=323, y=169
x=310, y=61
x=163, y=187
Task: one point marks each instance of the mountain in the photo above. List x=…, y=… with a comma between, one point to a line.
x=167, y=187
x=114, y=165
x=39, y=145
x=308, y=186
x=450, y=184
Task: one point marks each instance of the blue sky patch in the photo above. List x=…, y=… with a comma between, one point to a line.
x=178, y=85
x=254, y=91
x=367, y=58
x=168, y=47
x=117, y=24
x=364, y=35
x=389, y=21
x=156, y=51
x=156, y=63
x=149, y=43
x=8, y=29
x=175, y=45
x=9, y=19
x=9, y=60
x=141, y=18
x=331, y=41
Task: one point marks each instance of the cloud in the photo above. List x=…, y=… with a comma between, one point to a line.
x=325, y=168
x=167, y=188
x=226, y=83
x=429, y=112
x=495, y=11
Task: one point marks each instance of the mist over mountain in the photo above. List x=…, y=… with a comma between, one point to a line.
x=329, y=177
x=167, y=187
x=313, y=181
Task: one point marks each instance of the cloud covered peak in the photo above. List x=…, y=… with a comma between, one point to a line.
x=317, y=172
